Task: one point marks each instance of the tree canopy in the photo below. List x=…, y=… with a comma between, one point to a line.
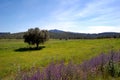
x=36, y=36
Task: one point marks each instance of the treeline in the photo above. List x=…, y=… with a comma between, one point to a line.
x=70, y=35
x=64, y=35
x=12, y=35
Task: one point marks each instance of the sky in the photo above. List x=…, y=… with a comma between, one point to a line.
x=83, y=16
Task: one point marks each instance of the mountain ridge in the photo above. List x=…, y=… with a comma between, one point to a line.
x=58, y=31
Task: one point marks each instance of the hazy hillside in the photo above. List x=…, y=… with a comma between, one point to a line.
x=59, y=34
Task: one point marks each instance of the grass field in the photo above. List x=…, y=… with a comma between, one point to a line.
x=11, y=59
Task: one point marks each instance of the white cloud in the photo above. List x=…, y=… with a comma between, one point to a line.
x=65, y=10
x=99, y=29
x=60, y=25
x=95, y=7
x=72, y=17
x=69, y=15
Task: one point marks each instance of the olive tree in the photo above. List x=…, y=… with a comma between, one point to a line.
x=36, y=36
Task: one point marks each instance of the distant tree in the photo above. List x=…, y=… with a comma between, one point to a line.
x=36, y=36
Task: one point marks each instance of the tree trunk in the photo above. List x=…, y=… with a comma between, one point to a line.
x=37, y=45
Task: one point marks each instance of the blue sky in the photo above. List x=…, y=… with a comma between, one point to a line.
x=85, y=16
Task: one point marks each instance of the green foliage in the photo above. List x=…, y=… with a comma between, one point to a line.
x=113, y=68
x=117, y=69
x=36, y=36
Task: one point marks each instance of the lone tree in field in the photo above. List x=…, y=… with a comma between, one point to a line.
x=35, y=36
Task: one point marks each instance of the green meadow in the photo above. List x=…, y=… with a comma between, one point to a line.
x=12, y=59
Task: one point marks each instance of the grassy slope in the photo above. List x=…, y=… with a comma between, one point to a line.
x=55, y=50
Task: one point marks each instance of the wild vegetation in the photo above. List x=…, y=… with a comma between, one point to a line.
x=14, y=57
x=102, y=67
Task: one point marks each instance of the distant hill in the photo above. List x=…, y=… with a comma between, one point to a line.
x=59, y=34
x=56, y=31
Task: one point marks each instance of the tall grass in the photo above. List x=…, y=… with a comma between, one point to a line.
x=102, y=65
